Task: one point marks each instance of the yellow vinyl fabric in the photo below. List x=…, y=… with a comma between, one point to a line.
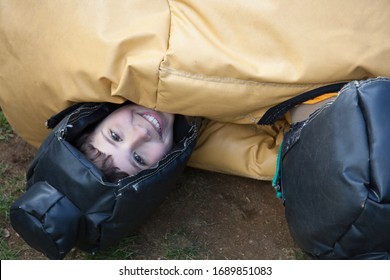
x=226, y=61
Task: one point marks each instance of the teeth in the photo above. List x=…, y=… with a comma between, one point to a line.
x=153, y=121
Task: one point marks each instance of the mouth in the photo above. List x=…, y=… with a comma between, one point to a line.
x=155, y=121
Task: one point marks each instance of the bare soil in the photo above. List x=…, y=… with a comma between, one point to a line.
x=209, y=216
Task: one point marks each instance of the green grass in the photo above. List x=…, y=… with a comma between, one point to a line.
x=126, y=249
x=178, y=246
x=300, y=255
x=175, y=245
x=6, y=131
x=10, y=187
x=6, y=253
x=122, y=251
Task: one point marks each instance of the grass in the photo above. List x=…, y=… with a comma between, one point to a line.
x=7, y=253
x=10, y=188
x=12, y=184
x=179, y=247
x=126, y=249
x=6, y=199
x=6, y=131
x=174, y=245
x=300, y=255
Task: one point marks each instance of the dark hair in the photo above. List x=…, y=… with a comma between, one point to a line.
x=103, y=162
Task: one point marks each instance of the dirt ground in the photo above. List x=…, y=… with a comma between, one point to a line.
x=209, y=216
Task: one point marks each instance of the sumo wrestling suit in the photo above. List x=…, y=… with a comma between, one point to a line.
x=240, y=66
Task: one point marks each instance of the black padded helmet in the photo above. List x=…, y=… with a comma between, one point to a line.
x=68, y=203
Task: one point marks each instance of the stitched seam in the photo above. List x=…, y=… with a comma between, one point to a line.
x=363, y=83
x=170, y=26
x=229, y=80
x=165, y=55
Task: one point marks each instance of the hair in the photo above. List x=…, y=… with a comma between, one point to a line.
x=103, y=162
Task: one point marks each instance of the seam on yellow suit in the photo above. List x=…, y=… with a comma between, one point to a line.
x=164, y=59
x=169, y=31
x=230, y=80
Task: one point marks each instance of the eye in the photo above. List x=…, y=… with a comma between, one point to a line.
x=139, y=159
x=115, y=136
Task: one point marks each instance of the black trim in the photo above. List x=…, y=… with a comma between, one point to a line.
x=54, y=120
x=279, y=110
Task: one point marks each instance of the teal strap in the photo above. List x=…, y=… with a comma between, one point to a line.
x=276, y=179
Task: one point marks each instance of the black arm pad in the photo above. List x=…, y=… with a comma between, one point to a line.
x=35, y=217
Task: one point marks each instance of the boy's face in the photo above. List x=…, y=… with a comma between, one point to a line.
x=136, y=137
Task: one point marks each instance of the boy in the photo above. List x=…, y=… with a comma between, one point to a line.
x=130, y=139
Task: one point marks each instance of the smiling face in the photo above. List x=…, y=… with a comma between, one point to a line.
x=136, y=137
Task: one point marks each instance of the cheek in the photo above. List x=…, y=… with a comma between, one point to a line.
x=157, y=152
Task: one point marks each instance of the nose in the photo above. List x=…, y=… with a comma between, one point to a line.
x=139, y=134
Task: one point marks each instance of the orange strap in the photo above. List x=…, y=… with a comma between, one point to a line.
x=320, y=98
